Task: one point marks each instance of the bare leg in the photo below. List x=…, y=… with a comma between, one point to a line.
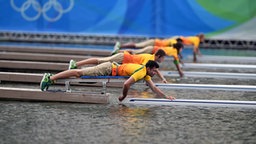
x=98, y=70
x=128, y=45
x=114, y=58
x=87, y=61
x=148, y=49
x=67, y=74
x=146, y=43
x=143, y=44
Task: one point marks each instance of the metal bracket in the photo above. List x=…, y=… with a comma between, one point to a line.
x=67, y=86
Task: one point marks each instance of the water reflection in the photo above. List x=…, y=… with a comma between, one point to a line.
x=133, y=121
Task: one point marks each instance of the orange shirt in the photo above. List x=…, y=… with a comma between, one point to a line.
x=136, y=71
x=170, y=51
x=192, y=40
x=165, y=42
x=137, y=59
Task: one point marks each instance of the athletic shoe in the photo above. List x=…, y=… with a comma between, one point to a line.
x=116, y=48
x=72, y=64
x=45, y=82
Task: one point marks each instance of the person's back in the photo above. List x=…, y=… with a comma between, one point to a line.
x=170, y=51
x=171, y=41
x=134, y=70
x=194, y=41
x=137, y=58
x=191, y=40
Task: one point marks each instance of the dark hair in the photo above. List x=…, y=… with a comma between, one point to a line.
x=201, y=36
x=151, y=64
x=179, y=40
x=178, y=46
x=160, y=53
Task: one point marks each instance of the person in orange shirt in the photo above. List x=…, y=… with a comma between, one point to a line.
x=194, y=41
x=122, y=58
x=151, y=42
x=173, y=51
x=135, y=71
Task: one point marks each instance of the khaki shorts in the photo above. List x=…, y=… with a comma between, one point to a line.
x=146, y=43
x=118, y=58
x=104, y=69
x=148, y=49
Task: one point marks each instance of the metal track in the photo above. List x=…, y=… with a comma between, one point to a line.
x=208, y=86
x=211, y=75
x=188, y=102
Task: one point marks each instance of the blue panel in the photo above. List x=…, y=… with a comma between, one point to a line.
x=155, y=18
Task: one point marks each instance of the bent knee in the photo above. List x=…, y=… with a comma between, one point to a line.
x=77, y=72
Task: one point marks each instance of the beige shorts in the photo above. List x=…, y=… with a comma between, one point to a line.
x=104, y=69
x=118, y=58
x=150, y=42
x=148, y=49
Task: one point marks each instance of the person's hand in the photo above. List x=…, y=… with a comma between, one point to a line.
x=164, y=81
x=170, y=97
x=121, y=98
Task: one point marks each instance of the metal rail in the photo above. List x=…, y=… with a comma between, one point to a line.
x=188, y=102
x=208, y=86
x=211, y=75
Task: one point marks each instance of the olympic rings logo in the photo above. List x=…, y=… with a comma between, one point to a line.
x=31, y=10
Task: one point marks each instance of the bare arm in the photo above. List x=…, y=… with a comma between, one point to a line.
x=157, y=90
x=126, y=87
x=196, y=48
x=176, y=62
x=179, y=69
x=197, y=51
x=161, y=76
